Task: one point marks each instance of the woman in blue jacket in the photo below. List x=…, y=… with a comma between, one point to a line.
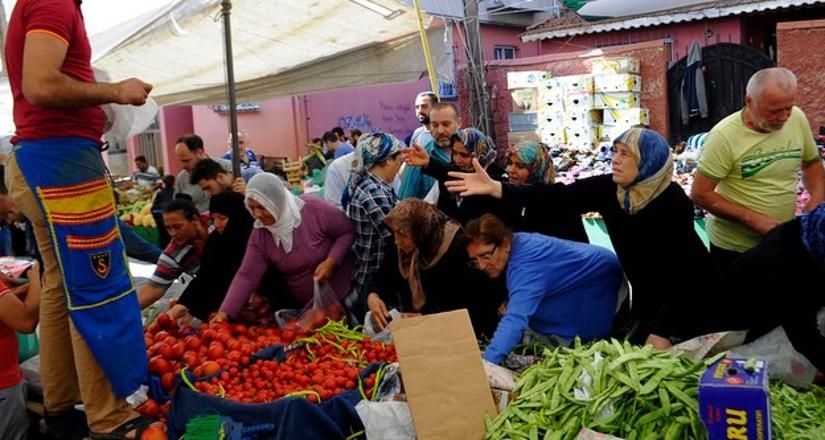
x=557, y=288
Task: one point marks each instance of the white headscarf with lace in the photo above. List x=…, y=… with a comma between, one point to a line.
x=270, y=191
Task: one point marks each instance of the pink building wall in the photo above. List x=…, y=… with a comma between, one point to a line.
x=175, y=121
x=726, y=30
x=492, y=36
x=271, y=130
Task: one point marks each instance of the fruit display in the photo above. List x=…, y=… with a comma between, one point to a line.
x=219, y=359
x=137, y=214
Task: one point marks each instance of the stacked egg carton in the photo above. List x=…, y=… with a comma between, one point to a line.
x=617, y=94
x=524, y=93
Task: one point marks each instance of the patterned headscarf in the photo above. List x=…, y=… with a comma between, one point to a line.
x=372, y=148
x=653, y=156
x=269, y=190
x=536, y=155
x=477, y=143
x=431, y=231
x=813, y=233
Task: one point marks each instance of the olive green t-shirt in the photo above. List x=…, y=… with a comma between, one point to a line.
x=759, y=171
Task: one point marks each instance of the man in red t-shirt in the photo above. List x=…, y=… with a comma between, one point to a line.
x=59, y=124
x=18, y=313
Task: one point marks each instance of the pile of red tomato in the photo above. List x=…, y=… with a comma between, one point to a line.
x=318, y=365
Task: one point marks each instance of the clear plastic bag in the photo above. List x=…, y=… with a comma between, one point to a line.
x=324, y=306
x=784, y=363
x=125, y=121
x=385, y=335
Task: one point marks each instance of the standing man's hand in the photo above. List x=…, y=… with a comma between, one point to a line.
x=239, y=185
x=132, y=91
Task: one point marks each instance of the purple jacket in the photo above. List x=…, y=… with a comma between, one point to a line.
x=324, y=232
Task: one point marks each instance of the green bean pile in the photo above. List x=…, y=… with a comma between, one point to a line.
x=636, y=393
x=797, y=415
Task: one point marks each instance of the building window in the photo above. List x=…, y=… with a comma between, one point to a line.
x=504, y=52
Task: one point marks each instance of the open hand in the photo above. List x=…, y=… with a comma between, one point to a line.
x=473, y=184
x=416, y=156
x=378, y=311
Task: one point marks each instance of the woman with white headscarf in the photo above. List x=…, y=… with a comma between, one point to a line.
x=305, y=238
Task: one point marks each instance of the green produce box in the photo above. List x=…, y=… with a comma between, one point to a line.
x=28, y=345
x=149, y=234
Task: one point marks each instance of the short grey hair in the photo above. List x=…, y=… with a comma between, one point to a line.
x=780, y=77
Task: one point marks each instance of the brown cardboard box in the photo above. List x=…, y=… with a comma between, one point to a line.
x=515, y=137
x=525, y=100
x=443, y=375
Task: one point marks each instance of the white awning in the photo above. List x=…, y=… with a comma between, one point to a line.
x=281, y=48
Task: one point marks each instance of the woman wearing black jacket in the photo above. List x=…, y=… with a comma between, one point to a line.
x=428, y=271
x=527, y=163
x=779, y=283
x=650, y=222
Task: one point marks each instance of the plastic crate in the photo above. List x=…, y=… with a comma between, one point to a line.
x=149, y=234
x=28, y=345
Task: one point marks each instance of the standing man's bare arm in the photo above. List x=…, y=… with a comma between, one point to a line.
x=44, y=84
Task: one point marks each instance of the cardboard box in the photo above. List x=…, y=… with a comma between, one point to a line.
x=551, y=90
x=553, y=135
x=575, y=84
x=626, y=116
x=616, y=65
x=530, y=78
x=581, y=135
x=578, y=102
x=608, y=133
x=555, y=105
x=443, y=375
x=583, y=118
x=525, y=100
x=524, y=121
x=620, y=82
x=616, y=100
x=734, y=400
x=514, y=138
x=551, y=119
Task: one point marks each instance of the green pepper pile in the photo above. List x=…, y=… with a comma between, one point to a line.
x=797, y=415
x=610, y=387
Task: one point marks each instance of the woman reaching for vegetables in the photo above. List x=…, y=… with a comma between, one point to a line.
x=557, y=289
x=427, y=270
x=305, y=238
x=650, y=222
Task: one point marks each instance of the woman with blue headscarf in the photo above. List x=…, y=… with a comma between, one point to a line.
x=779, y=283
x=650, y=222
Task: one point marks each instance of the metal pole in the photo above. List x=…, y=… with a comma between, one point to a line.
x=480, y=100
x=425, y=44
x=226, y=6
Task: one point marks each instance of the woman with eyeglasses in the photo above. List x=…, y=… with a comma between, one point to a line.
x=528, y=163
x=650, y=222
x=427, y=271
x=558, y=290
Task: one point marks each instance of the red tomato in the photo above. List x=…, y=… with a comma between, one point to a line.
x=158, y=365
x=153, y=433
x=207, y=335
x=239, y=329
x=150, y=408
x=178, y=349
x=233, y=344
x=210, y=367
x=215, y=352
x=171, y=340
x=163, y=349
x=161, y=335
x=166, y=322
x=167, y=381
x=192, y=343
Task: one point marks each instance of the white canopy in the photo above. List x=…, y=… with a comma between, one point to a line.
x=281, y=47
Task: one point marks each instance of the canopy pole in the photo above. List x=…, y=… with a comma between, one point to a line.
x=226, y=8
x=425, y=44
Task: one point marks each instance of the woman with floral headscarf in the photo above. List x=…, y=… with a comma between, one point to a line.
x=650, y=222
x=305, y=238
x=367, y=199
x=428, y=271
x=779, y=283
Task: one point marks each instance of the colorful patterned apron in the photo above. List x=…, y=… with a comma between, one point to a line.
x=72, y=187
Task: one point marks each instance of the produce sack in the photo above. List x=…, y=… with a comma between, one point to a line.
x=784, y=363
x=292, y=417
x=324, y=306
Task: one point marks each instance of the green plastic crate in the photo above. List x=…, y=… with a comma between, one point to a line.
x=149, y=234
